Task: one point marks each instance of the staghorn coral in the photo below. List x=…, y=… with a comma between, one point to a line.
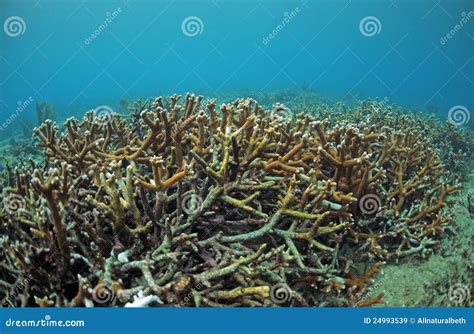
x=193, y=205
x=454, y=144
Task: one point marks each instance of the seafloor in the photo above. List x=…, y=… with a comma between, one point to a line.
x=416, y=282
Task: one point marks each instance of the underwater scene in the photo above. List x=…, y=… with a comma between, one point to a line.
x=226, y=153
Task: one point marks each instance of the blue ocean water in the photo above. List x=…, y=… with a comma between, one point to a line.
x=79, y=54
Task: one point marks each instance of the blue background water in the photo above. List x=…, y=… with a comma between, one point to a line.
x=144, y=52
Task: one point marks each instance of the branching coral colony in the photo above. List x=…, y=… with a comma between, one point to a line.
x=195, y=205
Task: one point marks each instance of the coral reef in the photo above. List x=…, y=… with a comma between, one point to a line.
x=454, y=144
x=297, y=100
x=196, y=205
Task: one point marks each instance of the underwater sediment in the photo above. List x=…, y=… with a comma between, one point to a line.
x=188, y=204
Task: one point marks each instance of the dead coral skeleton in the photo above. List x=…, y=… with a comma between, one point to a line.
x=207, y=206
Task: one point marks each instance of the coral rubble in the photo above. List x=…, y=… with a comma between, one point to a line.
x=197, y=205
